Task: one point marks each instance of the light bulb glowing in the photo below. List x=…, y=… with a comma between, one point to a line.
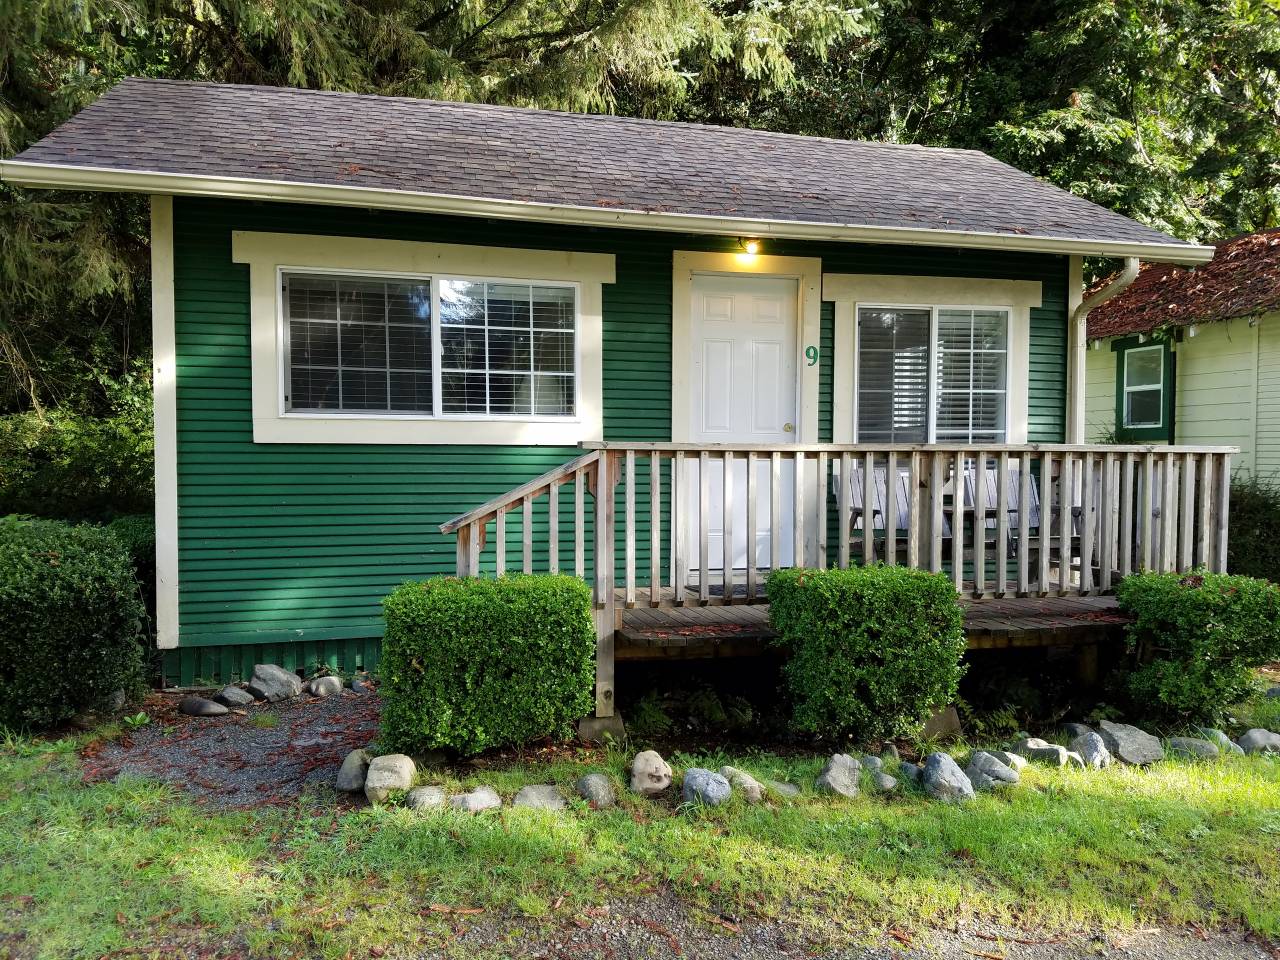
x=751, y=246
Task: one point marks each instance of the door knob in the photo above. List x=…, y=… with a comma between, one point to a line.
x=788, y=427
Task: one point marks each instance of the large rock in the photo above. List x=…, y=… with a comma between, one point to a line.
x=871, y=763
x=650, y=774
x=1052, y=753
x=394, y=771
x=324, y=686
x=1074, y=730
x=840, y=775
x=751, y=788
x=200, y=707
x=1258, y=740
x=481, y=798
x=703, y=786
x=943, y=779
x=272, y=683
x=1191, y=748
x=425, y=798
x=985, y=772
x=787, y=791
x=1128, y=744
x=1014, y=761
x=231, y=696
x=883, y=782
x=911, y=772
x=543, y=796
x=1219, y=739
x=353, y=770
x=597, y=790
x=1092, y=750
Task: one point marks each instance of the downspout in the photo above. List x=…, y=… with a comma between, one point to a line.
x=1077, y=343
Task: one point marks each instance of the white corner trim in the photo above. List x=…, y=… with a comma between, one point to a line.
x=1077, y=344
x=847, y=290
x=165, y=381
x=268, y=253
x=67, y=176
x=806, y=271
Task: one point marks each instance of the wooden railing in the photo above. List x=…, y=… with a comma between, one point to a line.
x=701, y=524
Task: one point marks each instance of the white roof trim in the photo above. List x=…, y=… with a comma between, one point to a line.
x=66, y=177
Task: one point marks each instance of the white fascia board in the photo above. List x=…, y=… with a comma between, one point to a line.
x=66, y=177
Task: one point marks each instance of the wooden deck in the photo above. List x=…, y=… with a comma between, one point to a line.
x=650, y=633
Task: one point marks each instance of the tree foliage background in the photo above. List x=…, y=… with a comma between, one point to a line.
x=1166, y=110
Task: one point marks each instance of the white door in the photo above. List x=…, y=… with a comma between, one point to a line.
x=743, y=391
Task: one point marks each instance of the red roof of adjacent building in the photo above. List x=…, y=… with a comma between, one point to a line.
x=1242, y=280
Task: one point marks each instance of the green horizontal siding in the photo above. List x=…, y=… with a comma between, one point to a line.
x=296, y=545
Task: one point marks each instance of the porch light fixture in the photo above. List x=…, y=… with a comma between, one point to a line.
x=1095, y=344
x=749, y=245
x=1191, y=330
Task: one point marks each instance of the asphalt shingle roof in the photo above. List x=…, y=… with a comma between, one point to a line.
x=1242, y=280
x=576, y=160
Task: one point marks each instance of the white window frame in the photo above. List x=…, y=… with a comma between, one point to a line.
x=1158, y=348
x=437, y=349
x=270, y=256
x=932, y=397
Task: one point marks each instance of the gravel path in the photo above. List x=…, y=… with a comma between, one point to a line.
x=261, y=754
x=663, y=927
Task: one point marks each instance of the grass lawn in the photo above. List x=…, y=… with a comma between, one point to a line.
x=133, y=866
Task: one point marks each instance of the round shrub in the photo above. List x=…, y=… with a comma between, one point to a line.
x=871, y=652
x=470, y=664
x=70, y=621
x=1194, y=642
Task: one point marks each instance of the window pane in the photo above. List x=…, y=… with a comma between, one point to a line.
x=508, y=305
x=411, y=347
x=312, y=343
x=1143, y=368
x=311, y=389
x=312, y=298
x=553, y=308
x=362, y=301
x=462, y=349
x=461, y=301
x=553, y=352
x=410, y=391
x=508, y=351
x=409, y=303
x=364, y=345
x=510, y=394
x=971, y=375
x=553, y=396
x=364, y=390
x=893, y=374
x=462, y=392
x=989, y=371
x=955, y=329
x=990, y=329
x=1142, y=408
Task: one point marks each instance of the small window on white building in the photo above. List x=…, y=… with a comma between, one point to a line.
x=1144, y=386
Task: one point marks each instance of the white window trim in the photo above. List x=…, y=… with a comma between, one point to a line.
x=931, y=428
x=270, y=255
x=849, y=291
x=1146, y=388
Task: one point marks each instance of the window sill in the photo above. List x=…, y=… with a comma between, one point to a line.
x=368, y=429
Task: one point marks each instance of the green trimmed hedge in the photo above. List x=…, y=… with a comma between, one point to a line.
x=872, y=652
x=70, y=621
x=470, y=664
x=1195, y=640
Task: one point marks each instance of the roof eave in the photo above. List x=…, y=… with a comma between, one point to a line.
x=69, y=177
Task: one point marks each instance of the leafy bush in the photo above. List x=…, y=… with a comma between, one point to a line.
x=137, y=534
x=70, y=621
x=1253, y=548
x=871, y=651
x=1195, y=640
x=469, y=664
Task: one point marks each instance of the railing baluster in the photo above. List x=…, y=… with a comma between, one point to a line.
x=753, y=523
x=553, y=527
x=1024, y=524
x=914, y=560
x=845, y=506
x=1169, y=515
x=679, y=527
x=655, y=529
x=1147, y=521
x=1204, y=542
x=979, y=523
x=1066, y=507
x=1224, y=509
x=798, y=533
x=822, y=512
x=868, y=508
x=579, y=524
x=1106, y=523
x=704, y=527
x=937, y=522
x=606, y=603
x=726, y=541
x=775, y=510
x=1046, y=520
x=630, y=531
x=957, y=522
x=890, y=509
x=1002, y=525
x=1128, y=495
x=1086, y=523
x=1186, y=512
x=500, y=542
x=526, y=533
x=473, y=548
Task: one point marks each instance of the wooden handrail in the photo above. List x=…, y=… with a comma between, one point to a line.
x=879, y=448
x=489, y=509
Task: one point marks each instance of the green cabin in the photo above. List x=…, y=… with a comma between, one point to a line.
x=400, y=339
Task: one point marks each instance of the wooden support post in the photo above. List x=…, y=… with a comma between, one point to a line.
x=606, y=602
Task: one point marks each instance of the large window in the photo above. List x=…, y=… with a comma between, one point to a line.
x=1143, y=386
x=430, y=347
x=932, y=374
